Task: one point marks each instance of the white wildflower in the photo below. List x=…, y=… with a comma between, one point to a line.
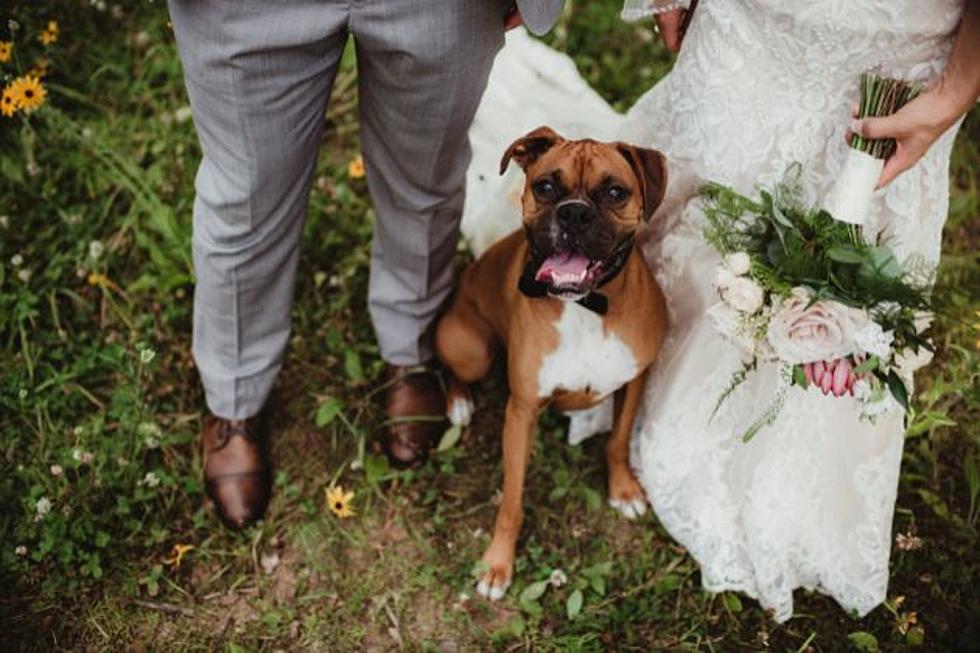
x=57, y=470
x=908, y=542
x=182, y=114
x=862, y=389
x=879, y=403
x=96, y=249
x=4, y=221
x=147, y=355
x=150, y=480
x=17, y=260
x=42, y=508
x=87, y=457
x=78, y=430
x=77, y=455
x=874, y=340
x=151, y=442
x=21, y=550
x=22, y=393
x=557, y=578
x=738, y=263
x=24, y=275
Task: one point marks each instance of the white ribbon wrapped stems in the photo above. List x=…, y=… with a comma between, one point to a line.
x=849, y=199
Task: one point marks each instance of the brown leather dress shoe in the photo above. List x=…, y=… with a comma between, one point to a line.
x=237, y=473
x=416, y=407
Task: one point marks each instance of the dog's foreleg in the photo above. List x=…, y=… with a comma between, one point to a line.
x=519, y=421
x=625, y=493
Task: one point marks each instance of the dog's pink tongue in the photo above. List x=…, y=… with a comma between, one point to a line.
x=563, y=268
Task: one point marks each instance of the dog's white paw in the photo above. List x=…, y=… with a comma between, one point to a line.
x=460, y=411
x=629, y=508
x=491, y=592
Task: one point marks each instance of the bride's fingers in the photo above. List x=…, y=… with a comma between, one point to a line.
x=892, y=126
x=896, y=164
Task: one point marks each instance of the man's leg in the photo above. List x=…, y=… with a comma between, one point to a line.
x=423, y=67
x=258, y=76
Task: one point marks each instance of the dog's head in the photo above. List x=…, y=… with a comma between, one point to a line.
x=583, y=201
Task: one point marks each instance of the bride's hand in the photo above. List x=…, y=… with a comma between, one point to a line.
x=915, y=127
x=920, y=122
x=669, y=24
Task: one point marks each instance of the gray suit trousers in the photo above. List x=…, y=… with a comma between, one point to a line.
x=259, y=74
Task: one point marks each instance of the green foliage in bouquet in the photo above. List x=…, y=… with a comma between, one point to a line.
x=881, y=96
x=793, y=245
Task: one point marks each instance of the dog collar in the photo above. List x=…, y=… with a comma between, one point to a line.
x=596, y=302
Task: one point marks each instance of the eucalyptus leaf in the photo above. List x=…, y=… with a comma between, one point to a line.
x=574, y=604
x=863, y=641
x=868, y=365
x=534, y=591
x=328, y=411
x=449, y=438
x=845, y=255
x=897, y=387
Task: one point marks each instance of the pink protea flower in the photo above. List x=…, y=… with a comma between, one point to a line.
x=836, y=376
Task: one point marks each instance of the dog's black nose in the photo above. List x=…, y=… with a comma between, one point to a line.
x=575, y=214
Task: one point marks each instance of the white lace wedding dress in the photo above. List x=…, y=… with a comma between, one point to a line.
x=758, y=86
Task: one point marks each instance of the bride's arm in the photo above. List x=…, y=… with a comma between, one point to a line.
x=669, y=15
x=920, y=122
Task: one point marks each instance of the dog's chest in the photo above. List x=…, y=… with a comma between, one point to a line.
x=587, y=359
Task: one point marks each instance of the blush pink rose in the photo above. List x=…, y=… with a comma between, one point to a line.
x=800, y=332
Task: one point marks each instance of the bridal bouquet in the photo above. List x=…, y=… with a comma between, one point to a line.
x=850, y=197
x=800, y=288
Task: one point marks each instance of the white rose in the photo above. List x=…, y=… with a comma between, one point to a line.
x=802, y=333
x=875, y=340
x=739, y=263
x=723, y=278
x=731, y=324
x=744, y=295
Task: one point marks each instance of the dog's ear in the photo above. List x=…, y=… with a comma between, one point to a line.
x=526, y=149
x=650, y=167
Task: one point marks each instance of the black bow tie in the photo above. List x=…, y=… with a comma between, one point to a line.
x=531, y=287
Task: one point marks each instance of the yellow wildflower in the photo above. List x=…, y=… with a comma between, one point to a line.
x=906, y=620
x=177, y=555
x=50, y=35
x=102, y=281
x=339, y=502
x=355, y=169
x=29, y=93
x=6, y=50
x=8, y=102
x=40, y=68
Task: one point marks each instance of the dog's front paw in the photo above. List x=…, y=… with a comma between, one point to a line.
x=497, y=575
x=626, y=496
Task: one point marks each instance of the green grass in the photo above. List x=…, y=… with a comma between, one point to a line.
x=111, y=157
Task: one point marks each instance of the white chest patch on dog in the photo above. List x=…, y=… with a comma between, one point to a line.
x=586, y=358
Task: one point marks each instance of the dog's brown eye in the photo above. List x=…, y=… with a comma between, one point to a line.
x=616, y=193
x=545, y=189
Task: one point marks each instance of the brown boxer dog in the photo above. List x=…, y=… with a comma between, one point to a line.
x=571, y=302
